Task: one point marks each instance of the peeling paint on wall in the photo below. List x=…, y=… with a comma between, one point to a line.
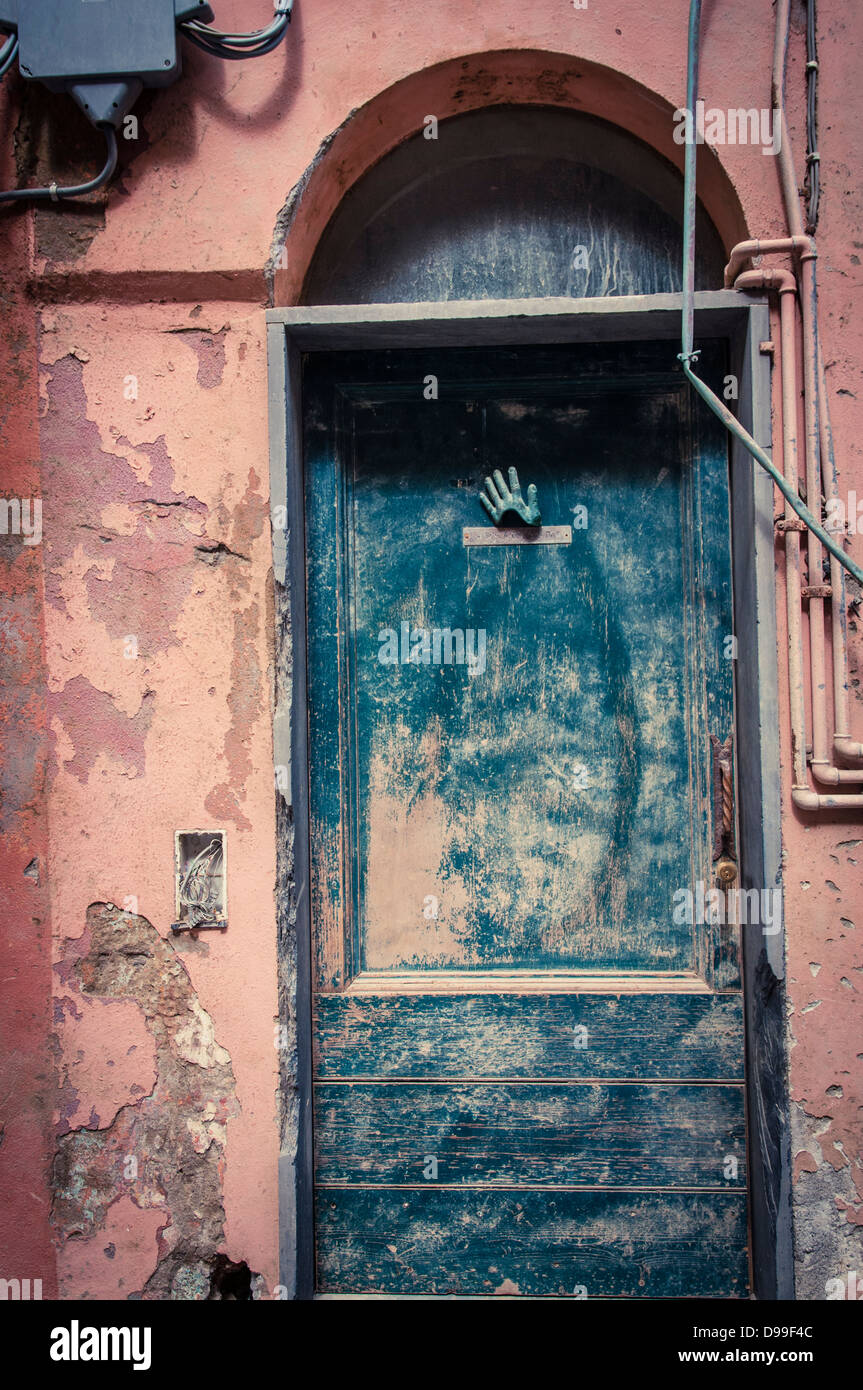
x=209, y=349
x=155, y=1166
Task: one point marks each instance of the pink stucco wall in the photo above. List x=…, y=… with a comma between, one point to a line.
x=156, y=528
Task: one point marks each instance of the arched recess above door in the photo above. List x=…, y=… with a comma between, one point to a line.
x=510, y=202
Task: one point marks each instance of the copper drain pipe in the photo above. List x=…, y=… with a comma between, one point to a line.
x=820, y=468
x=820, y=473
x=785, y=283
x=843, y=745
x=745, y=250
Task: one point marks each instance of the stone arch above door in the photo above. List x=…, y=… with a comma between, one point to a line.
x=604, y=126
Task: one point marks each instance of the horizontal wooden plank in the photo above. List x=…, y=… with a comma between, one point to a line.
x=536, y=1244
x=524, y=1134
x=562, y=1035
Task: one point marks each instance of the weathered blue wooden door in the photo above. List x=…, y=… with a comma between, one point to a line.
x=528, y=1055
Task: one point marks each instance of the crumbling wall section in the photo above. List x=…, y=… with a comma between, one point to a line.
x=162, y=1153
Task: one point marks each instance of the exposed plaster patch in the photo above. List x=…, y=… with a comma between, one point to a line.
x=186, y=945
x=825, y=1247
x=244, y=702
x=209, y=349
x=196, y=1042
x=164, y=1153
x=94, y=729
x=141, y=586
x=252, y=515
x=66, y=239
x=107, y=1059
x=160, y=474
x=116, y=1263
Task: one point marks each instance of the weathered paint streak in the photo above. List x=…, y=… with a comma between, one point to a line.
x=529, y=1134
x=514, y=1036
x=536, y=1244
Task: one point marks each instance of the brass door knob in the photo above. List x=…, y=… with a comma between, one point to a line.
x=726, y=871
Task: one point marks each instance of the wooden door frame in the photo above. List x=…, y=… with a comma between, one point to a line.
x=744, y=323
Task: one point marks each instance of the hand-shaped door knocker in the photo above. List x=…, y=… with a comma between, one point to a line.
x=506, y=504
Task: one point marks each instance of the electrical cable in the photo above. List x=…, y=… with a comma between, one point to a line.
x=277, y=26
x=221, y=44
x=54, y=194
x=8, y=54
x=281, y=16
x=217, y=42
x=217, y=51
x=813, y=158
x=688, y=355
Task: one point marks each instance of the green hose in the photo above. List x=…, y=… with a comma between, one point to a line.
x=688, y=355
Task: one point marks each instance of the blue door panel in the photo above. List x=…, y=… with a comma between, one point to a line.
x=510, y=784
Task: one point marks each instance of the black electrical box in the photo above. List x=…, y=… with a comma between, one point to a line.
x=103, y=52
x=80, y=39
